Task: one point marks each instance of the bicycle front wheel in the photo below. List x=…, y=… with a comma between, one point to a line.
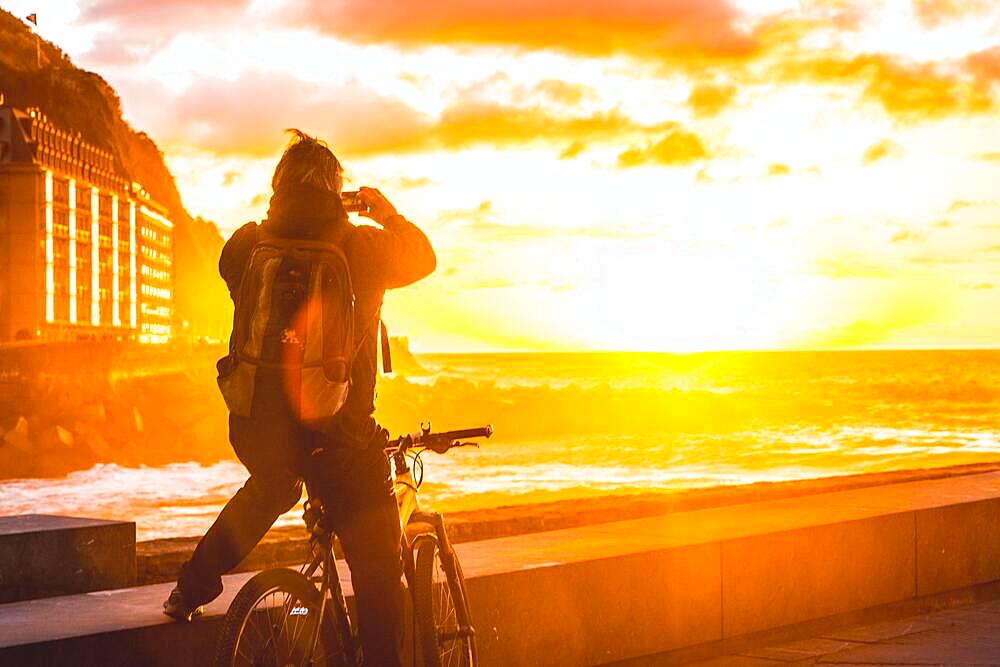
x=272, y=621
x=440, y=608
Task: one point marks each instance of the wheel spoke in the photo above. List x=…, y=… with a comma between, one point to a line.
x=262, y=634
x=274, y=642
x=451, y=642
x=300, y=625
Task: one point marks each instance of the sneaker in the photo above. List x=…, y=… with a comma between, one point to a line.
x=176, y=607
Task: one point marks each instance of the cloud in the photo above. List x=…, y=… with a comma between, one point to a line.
x=985, y=65
x=933, y=13
x=409, y=183
x=905, y=235
x=162, y=12
x=960, y=204
x=488, y=283
x=881, y=150
x=708, y=99
x=471, y=123
x=978, y=286
x=498, y=86
x=989, y=157
x=138, y=29
x=247, y=115
x=679, y=147
x=483, y=228
x=124, y=49
x=911, y=91
x=561, y=92
x=572, y=150
x=778, y=169
x=934, y=260
x=483, y=210
x=850, y=265
x=660, y=28
x=558, y=287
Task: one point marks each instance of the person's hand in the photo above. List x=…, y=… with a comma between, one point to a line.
x=379, y=208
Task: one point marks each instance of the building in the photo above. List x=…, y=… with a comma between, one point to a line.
x=84, y=252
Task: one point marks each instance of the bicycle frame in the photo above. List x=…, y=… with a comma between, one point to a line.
x=414, y=523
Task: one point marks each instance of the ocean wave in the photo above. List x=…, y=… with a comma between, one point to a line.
x=566, y=426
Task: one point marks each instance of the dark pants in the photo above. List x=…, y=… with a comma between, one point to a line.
x=356, y=490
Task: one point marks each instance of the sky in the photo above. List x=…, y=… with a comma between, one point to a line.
x=668, y=175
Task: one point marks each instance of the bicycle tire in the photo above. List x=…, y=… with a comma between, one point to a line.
x=441, y=606
x=299, y=589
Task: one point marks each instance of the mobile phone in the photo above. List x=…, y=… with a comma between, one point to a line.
x=352, y=202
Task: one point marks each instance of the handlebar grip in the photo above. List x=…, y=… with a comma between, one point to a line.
x=462, y=434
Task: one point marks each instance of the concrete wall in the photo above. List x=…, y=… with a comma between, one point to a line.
x=45, y=555
x=781, y=565
x=612, y=592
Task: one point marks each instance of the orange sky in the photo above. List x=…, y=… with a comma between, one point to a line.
x=638, y=174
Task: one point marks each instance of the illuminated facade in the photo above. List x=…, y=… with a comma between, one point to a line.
x=84, y=253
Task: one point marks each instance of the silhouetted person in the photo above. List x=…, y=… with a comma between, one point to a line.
x=273, y=443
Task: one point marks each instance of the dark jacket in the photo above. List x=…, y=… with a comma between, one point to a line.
x=396, y=255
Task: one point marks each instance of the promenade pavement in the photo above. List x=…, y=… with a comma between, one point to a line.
x=968, y=635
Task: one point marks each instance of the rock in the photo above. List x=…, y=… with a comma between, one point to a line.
x=65, y=436
x=95, y=412
x=18, y=437
x=94, y=441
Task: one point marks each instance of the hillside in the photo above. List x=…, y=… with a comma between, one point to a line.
x=80, y=100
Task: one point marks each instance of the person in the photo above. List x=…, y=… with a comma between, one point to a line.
x=274, y=445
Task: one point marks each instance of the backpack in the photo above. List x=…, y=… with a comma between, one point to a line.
x=294, y=313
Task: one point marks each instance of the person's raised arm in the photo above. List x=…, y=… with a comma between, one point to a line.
x=404, y=252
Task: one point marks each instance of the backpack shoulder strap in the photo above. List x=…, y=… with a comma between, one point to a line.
x=386, y=355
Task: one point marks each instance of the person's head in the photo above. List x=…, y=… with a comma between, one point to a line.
x=307, y=162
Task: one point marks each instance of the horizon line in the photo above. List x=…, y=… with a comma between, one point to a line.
x=718, y=351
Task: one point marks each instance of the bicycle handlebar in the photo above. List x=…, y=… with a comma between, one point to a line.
x=459, y=434
x=437, y=442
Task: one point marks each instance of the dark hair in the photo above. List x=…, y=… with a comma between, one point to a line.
x=306, y=161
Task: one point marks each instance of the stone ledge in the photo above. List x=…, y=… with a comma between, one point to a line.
x=42, y=555
x=619, y=591
x=159, y=560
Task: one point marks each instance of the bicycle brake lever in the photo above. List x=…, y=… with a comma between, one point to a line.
x=441, y=448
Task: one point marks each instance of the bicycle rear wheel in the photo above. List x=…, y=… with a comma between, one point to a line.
x=272, y=621
x=440, y=608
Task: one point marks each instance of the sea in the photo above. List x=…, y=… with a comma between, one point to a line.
x=576, y=425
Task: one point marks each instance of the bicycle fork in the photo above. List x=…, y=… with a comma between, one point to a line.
x=448, y=562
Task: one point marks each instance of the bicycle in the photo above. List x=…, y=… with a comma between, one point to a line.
x=289, y=617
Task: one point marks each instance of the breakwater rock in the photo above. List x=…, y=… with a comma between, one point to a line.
x=70, y=406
